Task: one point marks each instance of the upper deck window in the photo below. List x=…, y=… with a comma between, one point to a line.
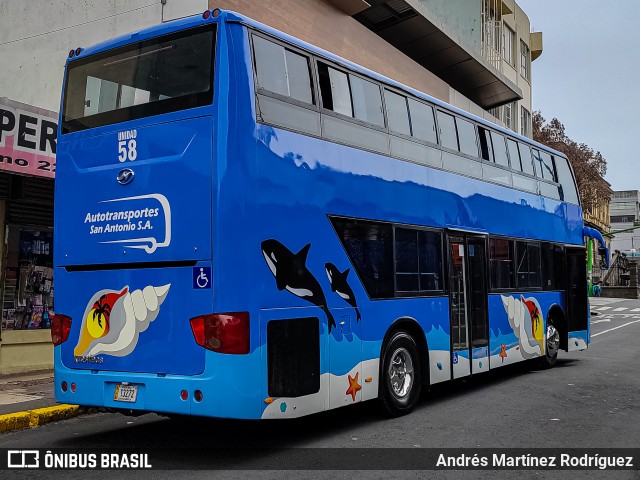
x=282, y=71
x=367, y=102
x=397, y=113
x=525, y=158
x=565, y=178
x=334, y=86
x=499, y=149
x=164, y=74
x=457, y=134
x=448, y=135
x=350, y=95
x=423, y=122
x=546, y=167
x=467, y=137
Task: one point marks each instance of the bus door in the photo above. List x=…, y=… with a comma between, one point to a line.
x=468, y=304
x=576, y=300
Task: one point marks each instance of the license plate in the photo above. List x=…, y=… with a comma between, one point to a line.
x=125, y=393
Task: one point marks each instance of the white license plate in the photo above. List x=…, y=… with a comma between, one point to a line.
x=125, y=393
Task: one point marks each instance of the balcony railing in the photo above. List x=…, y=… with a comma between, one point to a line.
x=491, y=42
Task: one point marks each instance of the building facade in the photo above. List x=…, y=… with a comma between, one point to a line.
x=625, y=215
x=596, y=210
x=474, y=54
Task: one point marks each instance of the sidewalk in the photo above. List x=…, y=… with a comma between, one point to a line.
x=27, y=400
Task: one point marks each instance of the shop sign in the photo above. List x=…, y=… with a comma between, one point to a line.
x=27, y=139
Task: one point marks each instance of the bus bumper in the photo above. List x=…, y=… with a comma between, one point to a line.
x=228, y=386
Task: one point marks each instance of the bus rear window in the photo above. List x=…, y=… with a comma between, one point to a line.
x=164, y=74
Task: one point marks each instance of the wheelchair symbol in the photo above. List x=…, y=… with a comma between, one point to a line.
x=201, y=280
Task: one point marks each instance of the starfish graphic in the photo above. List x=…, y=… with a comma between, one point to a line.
x=354, y=386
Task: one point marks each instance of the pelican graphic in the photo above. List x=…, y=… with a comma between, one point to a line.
x=525, y=327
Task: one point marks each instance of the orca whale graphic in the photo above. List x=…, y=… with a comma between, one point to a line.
x=340, y=285
x=291, y=274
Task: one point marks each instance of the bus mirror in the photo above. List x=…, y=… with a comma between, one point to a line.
x=602, y=251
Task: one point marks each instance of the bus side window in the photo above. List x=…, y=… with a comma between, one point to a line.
x=447, y=126
x=525, y=157
x=546, y=166
x=565, y=178
x=499, y=149
x=282, y=71
x=501, y=263
x=486, y=147
x=528, y=265
x=397, y=113
x=418, y=255
x=514, y=154
x=369, y=246
x=553, y=263
x=423, y=123
x=366, y=101
x=334, y=88
x=467, y=137
x=537, y=160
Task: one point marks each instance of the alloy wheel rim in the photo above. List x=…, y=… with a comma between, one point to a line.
x=553, y=341
x=401, y=373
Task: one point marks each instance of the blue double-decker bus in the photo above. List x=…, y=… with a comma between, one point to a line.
x=247, y=226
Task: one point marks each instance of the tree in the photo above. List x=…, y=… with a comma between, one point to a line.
x=588, y=165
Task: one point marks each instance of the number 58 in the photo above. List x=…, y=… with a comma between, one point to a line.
x=127, y=150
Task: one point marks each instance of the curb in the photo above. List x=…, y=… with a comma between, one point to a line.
x=36, y=417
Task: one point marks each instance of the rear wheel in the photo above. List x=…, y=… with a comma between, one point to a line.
x=401, y=382
x=552, y=345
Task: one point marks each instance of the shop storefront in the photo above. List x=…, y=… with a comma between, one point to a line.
x=27, y=166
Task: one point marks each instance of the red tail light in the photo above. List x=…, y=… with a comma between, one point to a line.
x=60, y=328
x=222, y=332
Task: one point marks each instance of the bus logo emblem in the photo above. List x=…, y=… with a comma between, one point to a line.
x=125, y=176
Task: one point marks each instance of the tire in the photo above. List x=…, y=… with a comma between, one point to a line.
x=400, y=375
x=552, y=345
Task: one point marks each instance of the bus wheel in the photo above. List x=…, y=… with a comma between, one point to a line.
x=552, y=346
x=401, y=383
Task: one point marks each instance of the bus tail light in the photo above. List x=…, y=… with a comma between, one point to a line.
x=60, y=328
x=222, y=332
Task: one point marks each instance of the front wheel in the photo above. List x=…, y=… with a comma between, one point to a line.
x=552, y=345
x=400, y=375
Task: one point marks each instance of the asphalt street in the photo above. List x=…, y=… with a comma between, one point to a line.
x=591, y=399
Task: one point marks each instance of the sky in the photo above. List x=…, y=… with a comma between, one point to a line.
x=588, y=77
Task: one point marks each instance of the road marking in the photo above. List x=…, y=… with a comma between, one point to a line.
x=618, y=315
x=636, y=310
x=614, y=328
x=619, y=309
x=600, y=321
x=604, y=301
x=600, y=309
x=11, y=397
